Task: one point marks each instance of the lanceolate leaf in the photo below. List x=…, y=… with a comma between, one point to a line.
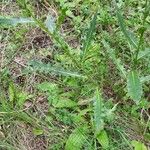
x=103, y=139
x=12, y=91
x=89, y=36
x=134, y=86
x=127, y=34
x=14, y=21
x=77, y=139
x=48, y=68
x=99, y=113
x=98, y=110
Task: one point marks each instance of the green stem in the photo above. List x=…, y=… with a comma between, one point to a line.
x=146, y=13
x=138, y=48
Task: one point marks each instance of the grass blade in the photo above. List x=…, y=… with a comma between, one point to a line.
x=127, y=34
x=134, y=86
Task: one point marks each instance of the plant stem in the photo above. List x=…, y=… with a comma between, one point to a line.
x=138, y=49
x=143, y=29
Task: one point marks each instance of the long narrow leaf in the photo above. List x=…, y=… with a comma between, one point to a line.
x=134, y=86
x=127, y=34
x=89, y=36
x=98, y=108
x=48, y=68
x=14, y=21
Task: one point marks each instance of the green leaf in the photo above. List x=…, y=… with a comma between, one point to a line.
x=89, y=36
x=38, y=132
x=47, y=69
x=65, y=103
x=138, y=145
x=5, y=21
x=127, y=34
x=61, y=18
x=147, y=136
x=145, y=79
x=98, y=110
x=144, y=53
x=47, y=86
x=11, y=90
x=22, y=97
x=52, y=91
x=50, y=23
x=77, y=138
x=103, y=139
x=109, y=113
x=134, y=86
x=116, y=61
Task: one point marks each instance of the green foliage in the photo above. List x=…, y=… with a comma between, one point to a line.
x=77, y=138
x=145, y=79
x=22, y=98
x=103, y=139
x=134, y=86
x=48, y=68
x=115, y=60
x=89, y=37
x=98, y=111
x=50, y=23
x=62, y=103
x=144, y=53
x=48, y=87
x=4, y=22
x=37, y=131
x=127, y=34
x=76, y=63
x=11, y=92
x=101, y=116
x=54, y=98
x=138, y=145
